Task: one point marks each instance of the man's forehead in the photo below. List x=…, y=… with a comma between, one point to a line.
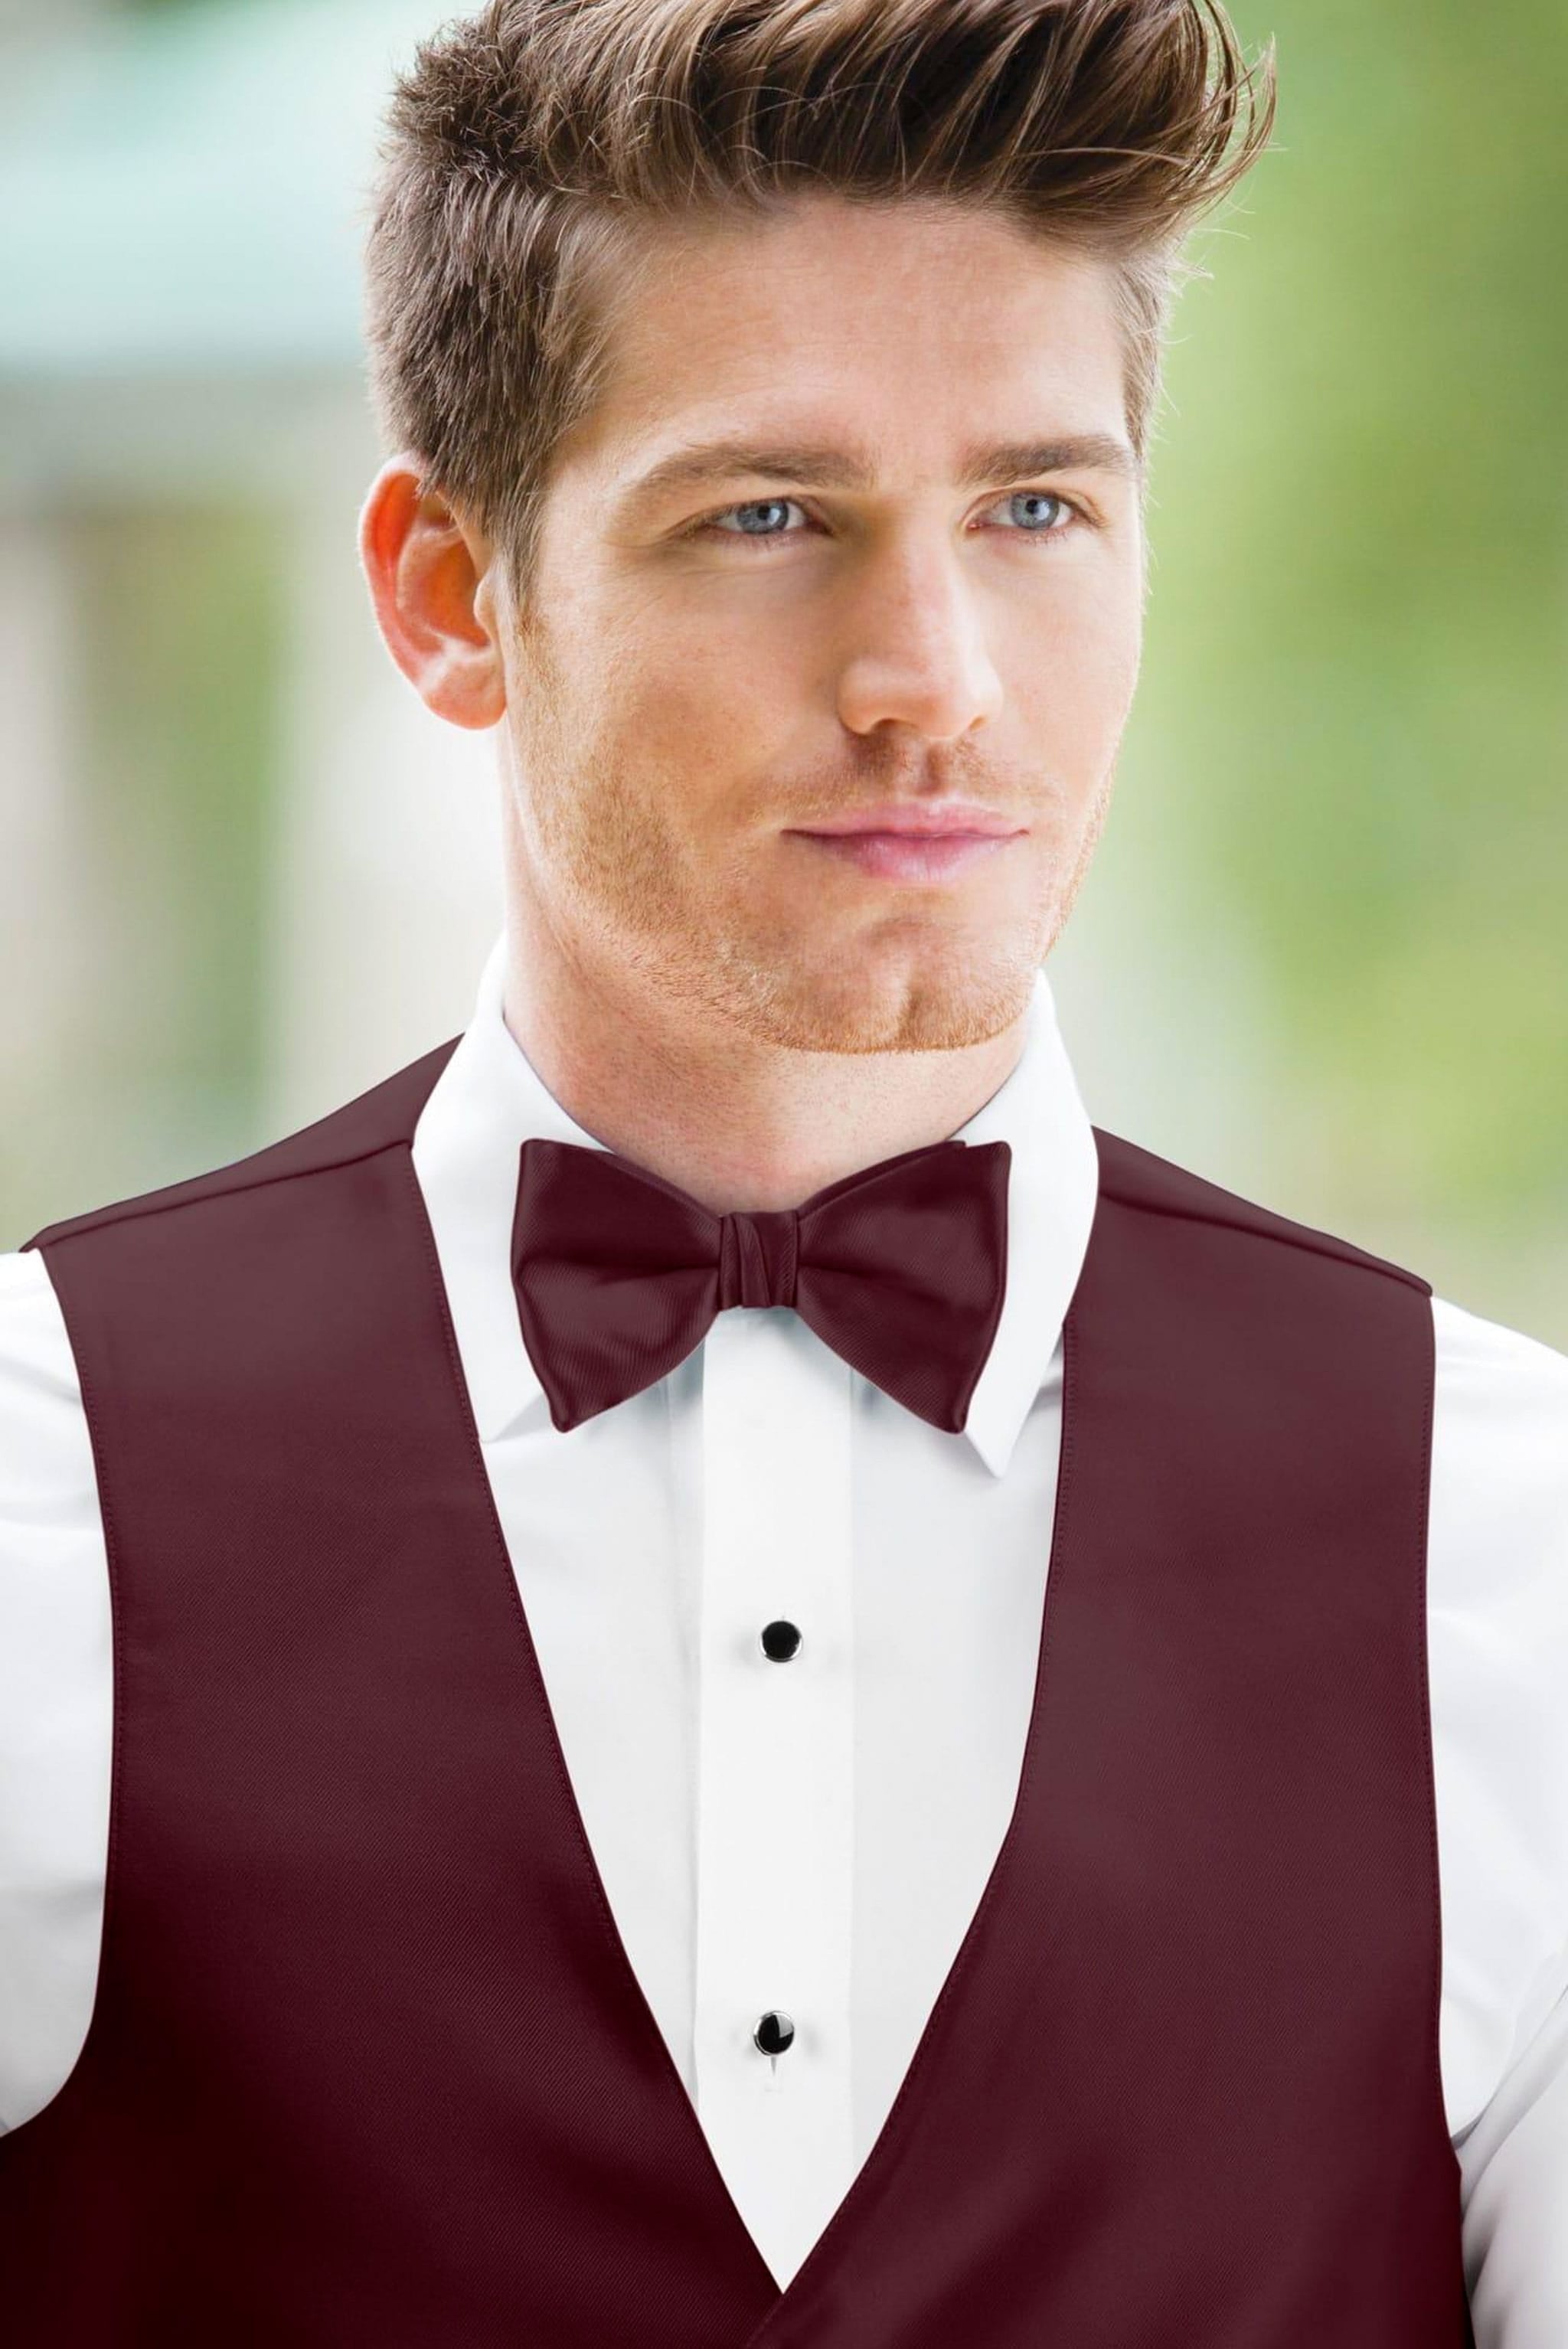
x=720, y=371
x=686, y=295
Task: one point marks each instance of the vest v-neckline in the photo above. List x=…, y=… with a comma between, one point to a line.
x=932, y=2047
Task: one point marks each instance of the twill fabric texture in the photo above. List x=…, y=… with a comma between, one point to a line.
x=368, y=2060
x=900, y=1268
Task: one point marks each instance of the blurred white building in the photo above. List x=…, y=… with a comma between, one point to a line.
x=242, y=871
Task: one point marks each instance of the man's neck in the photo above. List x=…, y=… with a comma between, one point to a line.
x=738, y=1122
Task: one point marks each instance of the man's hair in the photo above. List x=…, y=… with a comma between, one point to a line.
x=530, y=149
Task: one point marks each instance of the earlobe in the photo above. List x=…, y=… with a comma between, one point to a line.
x=424, y=570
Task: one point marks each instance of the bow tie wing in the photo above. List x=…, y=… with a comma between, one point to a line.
x=902, y=1270
x=615, y=1273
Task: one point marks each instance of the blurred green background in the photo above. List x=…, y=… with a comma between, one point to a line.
x=1323, y=956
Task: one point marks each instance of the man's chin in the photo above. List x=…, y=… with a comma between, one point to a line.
x=938, y=1003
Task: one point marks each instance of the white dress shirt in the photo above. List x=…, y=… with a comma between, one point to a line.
x=815, y=1837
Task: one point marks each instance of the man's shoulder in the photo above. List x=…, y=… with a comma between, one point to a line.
x=1499, y=1493
x=1498, y=1377
x=1141, y=1179
x=376, y=1120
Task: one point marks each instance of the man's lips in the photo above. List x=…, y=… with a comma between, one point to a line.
x=923, y=818
x=908, y=855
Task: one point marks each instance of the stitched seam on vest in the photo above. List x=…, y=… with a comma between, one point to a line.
x=1324, y=1245
x=133, y=1211
x=1423, y=1624
x=191, y=1187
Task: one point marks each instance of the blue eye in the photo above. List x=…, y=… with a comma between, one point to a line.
x=710, y=525
x=754, y=506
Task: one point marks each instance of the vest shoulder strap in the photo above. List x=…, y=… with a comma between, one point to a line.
x=1139, y=1178
x=372, y=1121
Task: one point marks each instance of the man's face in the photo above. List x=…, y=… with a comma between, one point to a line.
x=711, y=667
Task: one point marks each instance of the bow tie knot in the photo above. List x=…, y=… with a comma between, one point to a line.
x=758, y=1253
x=900, y=1267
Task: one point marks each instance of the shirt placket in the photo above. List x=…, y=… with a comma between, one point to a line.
x=775, y=1775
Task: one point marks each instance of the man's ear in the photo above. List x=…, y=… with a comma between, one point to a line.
x=425, y=569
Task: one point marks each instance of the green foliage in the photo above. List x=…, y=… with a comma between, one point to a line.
x=1356, y=708
x=181, y=617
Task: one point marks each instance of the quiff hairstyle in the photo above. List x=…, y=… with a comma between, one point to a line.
x=530, y=149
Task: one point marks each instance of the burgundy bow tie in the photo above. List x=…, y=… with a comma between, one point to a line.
x=901, y=1268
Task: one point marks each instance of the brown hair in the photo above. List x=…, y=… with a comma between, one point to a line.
x=529, y=148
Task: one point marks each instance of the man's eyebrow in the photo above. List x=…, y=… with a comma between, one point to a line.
x=697, y=462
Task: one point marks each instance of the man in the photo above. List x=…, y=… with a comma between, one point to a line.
x=766, y=1690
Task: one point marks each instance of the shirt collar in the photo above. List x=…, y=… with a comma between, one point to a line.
x=489, y=1099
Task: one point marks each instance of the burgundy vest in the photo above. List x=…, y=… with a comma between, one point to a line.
x=368, y=2066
